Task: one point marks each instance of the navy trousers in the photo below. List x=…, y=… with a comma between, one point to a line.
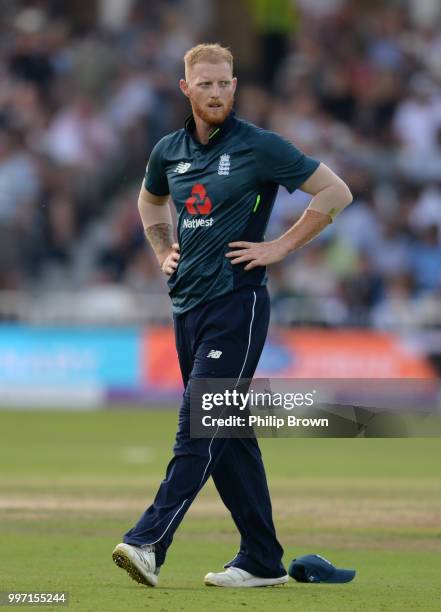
x=234, y=325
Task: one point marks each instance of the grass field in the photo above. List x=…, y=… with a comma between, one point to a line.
x=72, y=483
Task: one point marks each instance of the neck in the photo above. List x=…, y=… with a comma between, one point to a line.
x=203, y=129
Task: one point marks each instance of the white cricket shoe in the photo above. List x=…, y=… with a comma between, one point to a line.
x=139, y=562
x=236, y=577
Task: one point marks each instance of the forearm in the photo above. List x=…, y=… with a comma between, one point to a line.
x=158, y=227
x=324, y=206
x=310, y=224
x=160, y=237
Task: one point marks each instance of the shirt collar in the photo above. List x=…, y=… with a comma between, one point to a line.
x=216, y=134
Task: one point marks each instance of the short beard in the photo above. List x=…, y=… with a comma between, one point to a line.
x=206, y=115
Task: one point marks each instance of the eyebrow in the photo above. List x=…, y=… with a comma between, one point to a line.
x=202, y=80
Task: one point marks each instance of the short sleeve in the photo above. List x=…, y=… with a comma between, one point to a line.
x=155, y=177
x=281, y=162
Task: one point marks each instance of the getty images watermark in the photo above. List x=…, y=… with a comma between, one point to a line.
x=314, y=408
x=242, y=401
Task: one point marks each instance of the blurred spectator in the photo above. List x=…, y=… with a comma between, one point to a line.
x=427, y=209
x=396, y=309
x=79, y=135
x=426, y=260
x=133, y=99
x=19, y=189
x=29, y=59
x=418, y=117
x=124, y=240
x=274, y=21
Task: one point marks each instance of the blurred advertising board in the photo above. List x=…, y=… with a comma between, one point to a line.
x=303, y=353
x=87, y=367
x=63, y=367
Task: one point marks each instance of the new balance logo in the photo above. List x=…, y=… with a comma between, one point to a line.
x=182, y=167
x=224, y=165
x=214, y=354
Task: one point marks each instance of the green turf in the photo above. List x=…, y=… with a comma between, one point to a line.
x=71, y=484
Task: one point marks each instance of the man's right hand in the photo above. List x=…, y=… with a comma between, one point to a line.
x=170, y=262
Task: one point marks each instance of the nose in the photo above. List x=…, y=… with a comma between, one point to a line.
x=215, y=91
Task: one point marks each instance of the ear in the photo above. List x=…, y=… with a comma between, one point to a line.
x=183, y=85
x=234, y=84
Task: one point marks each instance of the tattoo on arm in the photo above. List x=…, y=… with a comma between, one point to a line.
x=160, y=237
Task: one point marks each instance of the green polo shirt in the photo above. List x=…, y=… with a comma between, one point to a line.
x=223, y=191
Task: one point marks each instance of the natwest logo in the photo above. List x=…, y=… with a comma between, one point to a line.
x=195, y=223
x=198, y=203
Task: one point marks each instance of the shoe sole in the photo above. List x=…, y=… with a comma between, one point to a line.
x=255, y=582
x=125, y=563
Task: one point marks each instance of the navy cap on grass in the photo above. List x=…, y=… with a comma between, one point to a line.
x=315, y=568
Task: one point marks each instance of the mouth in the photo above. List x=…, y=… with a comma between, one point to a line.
x=215, y=105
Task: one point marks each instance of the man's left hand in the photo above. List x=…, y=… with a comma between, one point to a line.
x=256, y=253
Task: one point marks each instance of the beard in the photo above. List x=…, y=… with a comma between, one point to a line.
x=210, y=116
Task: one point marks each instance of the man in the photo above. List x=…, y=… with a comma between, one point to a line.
x=222, y=174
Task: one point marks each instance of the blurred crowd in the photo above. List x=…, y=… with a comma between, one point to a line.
x=355, y=84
